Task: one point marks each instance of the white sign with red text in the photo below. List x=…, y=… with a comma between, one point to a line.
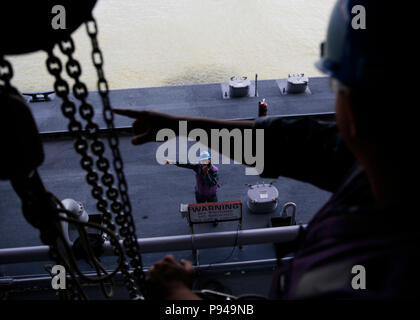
x=215, y=211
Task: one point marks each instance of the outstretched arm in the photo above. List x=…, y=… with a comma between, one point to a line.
x=183, y=165
x=187, y=165
x=148, y=123
x=306, y=149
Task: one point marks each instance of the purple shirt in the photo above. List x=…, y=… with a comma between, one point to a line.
x=206, y=184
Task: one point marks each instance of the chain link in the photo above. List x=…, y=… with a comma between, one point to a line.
x=125, y=220
x=6, y=74
x=97, y=147
x=81, y=146
x=123, y=209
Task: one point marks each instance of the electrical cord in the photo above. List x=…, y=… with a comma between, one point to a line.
x=242, y=297
x=98, y=266
x=209, y=267
x=72, y=265
x=70, y=270
x=90, y=251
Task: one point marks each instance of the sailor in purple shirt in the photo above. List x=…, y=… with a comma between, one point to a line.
x=206, y=178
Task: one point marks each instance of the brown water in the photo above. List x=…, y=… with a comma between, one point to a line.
x=175, y=42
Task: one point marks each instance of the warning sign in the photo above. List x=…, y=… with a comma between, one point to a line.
x=215, y=211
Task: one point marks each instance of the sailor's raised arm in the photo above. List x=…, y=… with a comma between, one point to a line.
x=182, y=165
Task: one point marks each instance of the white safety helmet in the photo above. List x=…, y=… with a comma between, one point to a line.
x=204, y=157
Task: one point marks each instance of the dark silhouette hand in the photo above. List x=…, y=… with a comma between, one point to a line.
x=170, y=279
x=147, y=123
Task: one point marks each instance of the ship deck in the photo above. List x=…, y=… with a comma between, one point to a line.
x=156, y=191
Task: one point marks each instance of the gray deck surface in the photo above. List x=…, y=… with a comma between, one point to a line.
x=156, y=191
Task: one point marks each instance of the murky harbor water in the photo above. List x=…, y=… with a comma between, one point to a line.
x=174, y=42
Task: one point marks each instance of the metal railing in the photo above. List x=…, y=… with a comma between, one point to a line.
x=171, y=243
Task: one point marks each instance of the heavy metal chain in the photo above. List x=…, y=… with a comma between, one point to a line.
x=130, y=242
x=86, y=111
x=123, y=210
x=6, y=74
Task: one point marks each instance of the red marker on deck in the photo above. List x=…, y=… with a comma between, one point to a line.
x=262, y=108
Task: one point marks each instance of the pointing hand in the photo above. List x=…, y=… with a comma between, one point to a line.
x=147, y=123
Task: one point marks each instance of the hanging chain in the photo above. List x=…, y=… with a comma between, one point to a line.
x=123, y=210
x=68, y=109
x=6, y=74
x=130, y=242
